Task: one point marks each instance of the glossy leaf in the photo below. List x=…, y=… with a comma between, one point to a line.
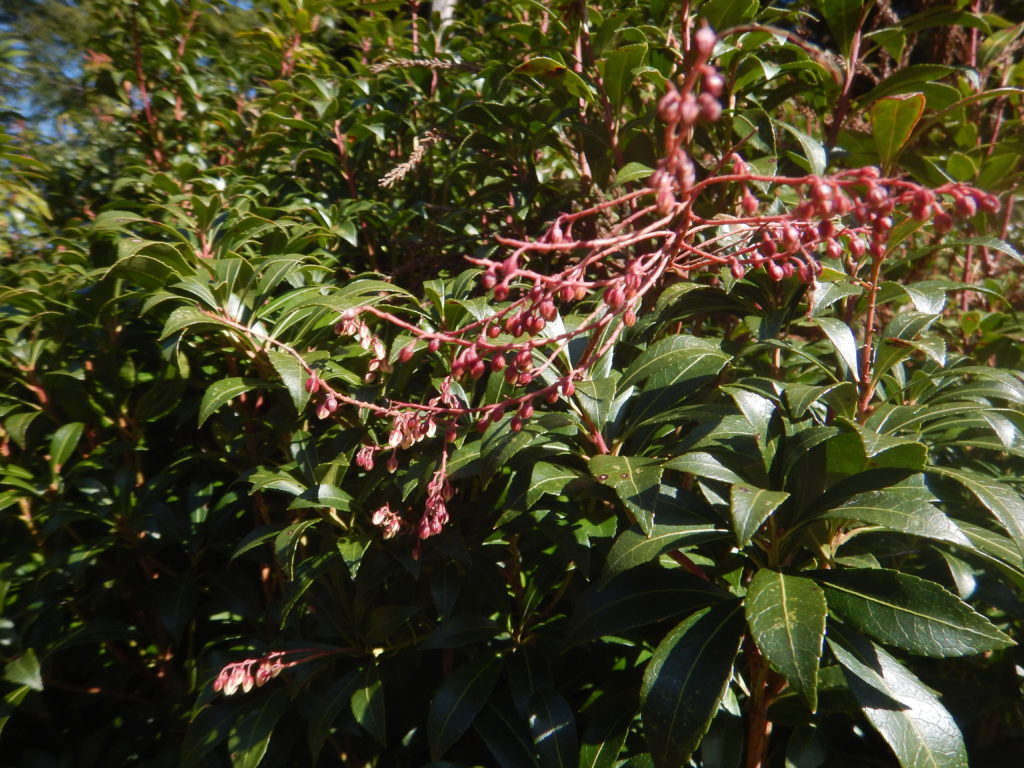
x=553, y=728
x=63, y=444
x=786, y=616
x=908, y=612
x=901, y=708
x=633, y=547
x=749, y=507
x=635, y=480
x=222, y=392
x=685, y=680
x=1005, y=504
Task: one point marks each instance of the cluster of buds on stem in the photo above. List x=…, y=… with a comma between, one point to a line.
x=680, y=109
x=251, y=673
x=677, y=225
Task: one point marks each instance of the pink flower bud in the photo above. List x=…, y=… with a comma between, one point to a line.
x=313, y=385
x=405, y=354
x=713, y=83
x=942, y=222
x=704, y=42
x=614, y=297
x=710, y=108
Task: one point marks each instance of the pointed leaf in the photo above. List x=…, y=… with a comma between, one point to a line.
x=1005, y=504
x=703, y=464
x=842, y=339
x=222, y=392
x=553, y=728
x=686, y=679
x=634, y=548
x=786, y=616
x=24, y=670
x=63, y=444
x=506, y=736
x=909, y=612
x=249, y=737
x=367, y=705
x=892, y=121
x=458, y=700
x=636, y=481
x=841, y=17
x=910, y=718
x=674, y=359
x=903, y=510
x=750, y=507
x=617, y=72
x=293, y=375
x=637, y=597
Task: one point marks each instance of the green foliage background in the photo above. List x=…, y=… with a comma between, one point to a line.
x=192, y=192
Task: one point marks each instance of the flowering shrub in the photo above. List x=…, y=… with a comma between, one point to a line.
x=610, y=387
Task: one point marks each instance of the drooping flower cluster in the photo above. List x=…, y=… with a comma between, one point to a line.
x=256, y=672
x=388, y=521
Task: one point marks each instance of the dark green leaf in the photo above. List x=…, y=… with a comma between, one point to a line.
x=367, y=705
x=63, y=444
x=553, y=729
x=901, y=708
x=899, y=509
x=506, y=736
x=686, y=679
x=749, y=507
x=458, y=700
x=909, y=612
x=293, y=375
x=249, y=738
x=637, y=597
x=636, y=481
x=222, y=392
x=786, y=616
x=634, y=548
x=1001, y=500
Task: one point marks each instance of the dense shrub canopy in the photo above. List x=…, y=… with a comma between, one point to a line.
x=625, y=384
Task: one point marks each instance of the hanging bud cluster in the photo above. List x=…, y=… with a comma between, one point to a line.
x=676, y=225
x=844, y=218
x=388, y=521
x=435, y=513
x=680, y=109
x=244, y=675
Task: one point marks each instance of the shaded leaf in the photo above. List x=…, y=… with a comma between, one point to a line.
x=920, y=731
x=458, y=700
x=553, y=729
x=637, y=597
x=686, y=679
